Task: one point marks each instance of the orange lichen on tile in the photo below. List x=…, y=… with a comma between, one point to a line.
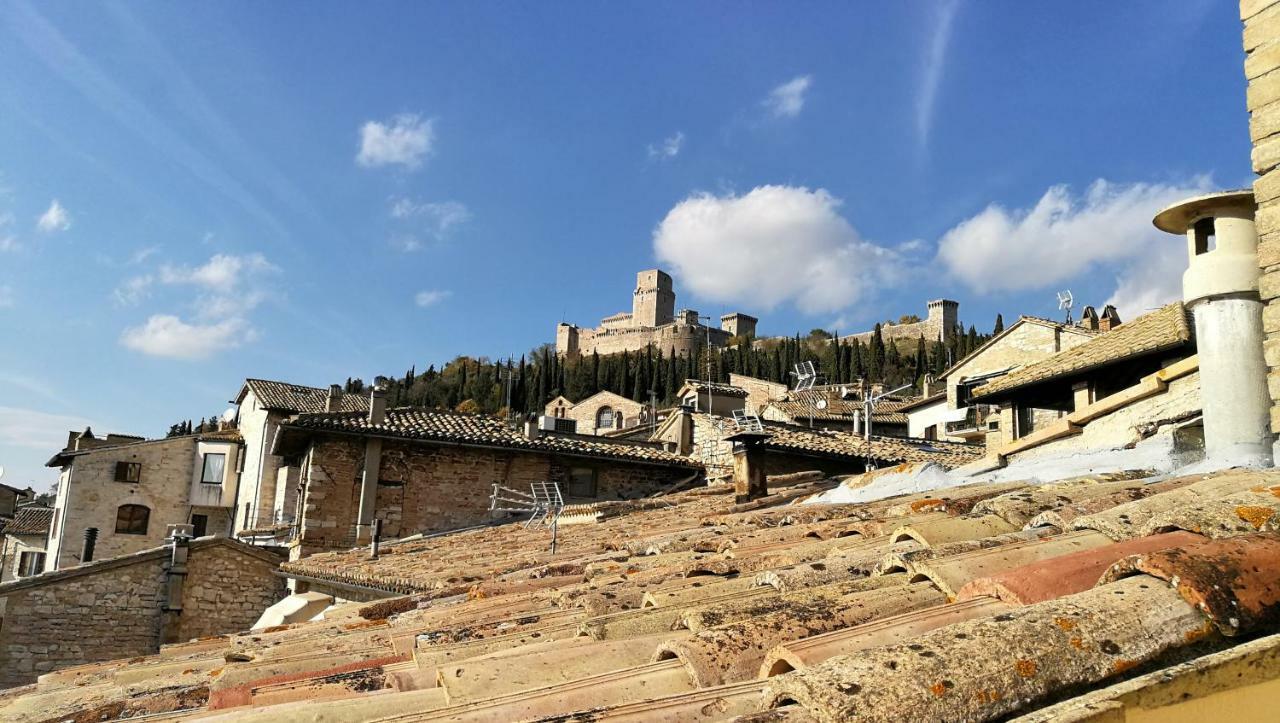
x=1256, y=516
x=1077, y=643
x=1065, y=623
x=1122, y=665
x=1026, y=668
x=938, y=689
x=928, y=504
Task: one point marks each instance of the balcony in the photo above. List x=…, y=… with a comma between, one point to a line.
x=978, y=420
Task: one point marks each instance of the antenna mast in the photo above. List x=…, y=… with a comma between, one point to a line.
x=1065, y=300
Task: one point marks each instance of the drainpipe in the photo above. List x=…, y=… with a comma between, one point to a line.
x=1220, y=288
x=175, y=581
x=372, y=464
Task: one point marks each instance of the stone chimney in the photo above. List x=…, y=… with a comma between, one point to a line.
x=1220, y=288
x=378, y=401
x=1089, y=318
x=334, y=398
x=531, y=429
x=1110, y=318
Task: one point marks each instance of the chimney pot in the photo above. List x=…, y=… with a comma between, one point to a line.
x=90, y=541
x=377, y=405
x=333, y=399
x=531, y=430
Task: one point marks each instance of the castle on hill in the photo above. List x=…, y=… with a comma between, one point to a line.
x=652, y=321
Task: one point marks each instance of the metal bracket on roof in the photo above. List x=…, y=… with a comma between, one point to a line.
x=747, y=421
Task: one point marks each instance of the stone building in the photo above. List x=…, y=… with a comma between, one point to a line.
x=129, y=605
x=267, y=495
x=941, y=320
x=426, y=470
x=652, y=321
x=11, y=498
x=599, y=413
x=130, y=490
x=758, y=391
x=22, y=542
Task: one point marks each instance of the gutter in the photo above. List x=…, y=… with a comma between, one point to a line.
x=347, y=586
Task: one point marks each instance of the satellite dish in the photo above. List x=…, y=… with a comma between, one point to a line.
x=822, y=404
x=229, y=416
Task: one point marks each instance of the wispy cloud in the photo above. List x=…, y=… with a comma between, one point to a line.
x=787, y=100
x=421, y=221
x=405, y=140
x=222, y=272
x=55, y=219
x=133, y=290
x=431, y=297
x=935, y=58
x=668, y=148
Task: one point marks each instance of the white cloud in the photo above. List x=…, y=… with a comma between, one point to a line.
x=168, y=336
x=774, y=244
x=935, y=62
x=406, y=140
x=425, y=221
x=668, y=148
x=6, y=297
x=55, y=219
x=431, y=297
x=1062, y=236
x=32, y=429
x=787, y=100
x=222, y=272
x=1153, y=283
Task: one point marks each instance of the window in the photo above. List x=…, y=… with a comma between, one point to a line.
x=132, y=520
x=214, y=466
x=199, y=525
x=582, y=482
x=931, y=432
x=604, y=418
x=1205, y=235
x=30, y=563
x=128, y=471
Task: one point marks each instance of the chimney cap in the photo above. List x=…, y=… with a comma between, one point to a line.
x=1177, y=218
x=380, y=383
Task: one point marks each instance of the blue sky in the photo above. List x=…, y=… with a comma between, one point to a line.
x=195, y=193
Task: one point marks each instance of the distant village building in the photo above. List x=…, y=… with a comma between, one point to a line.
x=599, y=413
x=652, y=321
x=22, y=543
x=425, y=470
x=128, y=490
x=268, y=494
x=11, y=498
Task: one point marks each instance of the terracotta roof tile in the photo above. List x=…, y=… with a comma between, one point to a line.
x=435, y=425
x=884, y=449
x=30, y=521
x=1161, y=330
x=287, y=397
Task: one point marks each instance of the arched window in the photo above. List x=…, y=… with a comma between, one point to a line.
x=604, y=418
x=132, y=520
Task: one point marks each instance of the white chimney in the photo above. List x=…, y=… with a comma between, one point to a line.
x=378, y=401
x=1220, y=288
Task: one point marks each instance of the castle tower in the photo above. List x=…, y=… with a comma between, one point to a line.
x=655, y=301
x=739, y=324
x=1220, y=288
x=944, y=314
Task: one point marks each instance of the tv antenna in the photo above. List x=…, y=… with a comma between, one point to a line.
x=869, y=403
x=747, y=421
x=1065, y=300
x=806, y=376
x=543, y=501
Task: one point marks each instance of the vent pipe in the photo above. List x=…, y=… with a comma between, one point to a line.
x=1220, y=288
x=378, y=401
x=90, y=541
x=334, y=398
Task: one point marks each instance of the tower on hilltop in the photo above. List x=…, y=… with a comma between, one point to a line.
x=654, y=303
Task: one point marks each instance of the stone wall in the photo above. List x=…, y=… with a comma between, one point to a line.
x=670, y=339
x=111, y=614
x=11, y=552
x=759, y=391
x=433, y=487
x=585, y=412
x=114, y=608
x=226, y=590
x=93, y=497
x=258, y=478
x=1262, y=70
x=1029, y=342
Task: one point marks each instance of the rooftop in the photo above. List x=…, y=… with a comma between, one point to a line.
x=30, y=521
x=286, y=397
x=1161, y=330
x=434, y=425
x=978, y=602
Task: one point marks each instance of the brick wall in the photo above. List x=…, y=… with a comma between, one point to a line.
x=1262, y=70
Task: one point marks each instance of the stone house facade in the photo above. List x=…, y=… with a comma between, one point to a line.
x=421, y=471
x=601, y=412
x=130, y=492
x=23, y=541
x=652, y=321
x=268, y=494
x=129, y=605
x=759, y=391
x=1025, y=341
